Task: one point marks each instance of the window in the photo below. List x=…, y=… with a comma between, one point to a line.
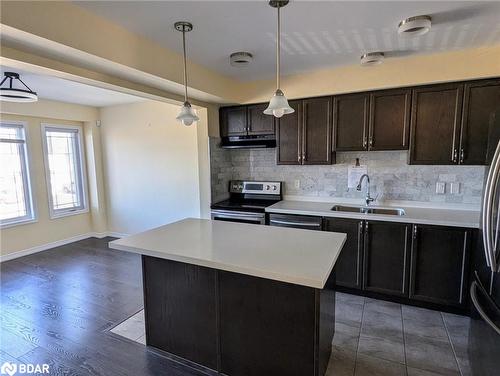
x=16, y=203
x=64, y=169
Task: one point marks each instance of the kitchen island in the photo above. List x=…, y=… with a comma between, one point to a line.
x=239, y=299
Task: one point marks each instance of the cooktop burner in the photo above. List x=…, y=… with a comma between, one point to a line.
x=244, y=205
x=252, y=196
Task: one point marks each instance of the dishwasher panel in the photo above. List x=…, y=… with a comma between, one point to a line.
x=296, y=221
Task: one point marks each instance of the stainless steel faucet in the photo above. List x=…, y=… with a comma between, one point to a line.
x=368, y=198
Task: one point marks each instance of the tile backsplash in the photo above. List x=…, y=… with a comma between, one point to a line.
x=390, y=175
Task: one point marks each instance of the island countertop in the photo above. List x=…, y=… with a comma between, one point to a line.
x=295, y=256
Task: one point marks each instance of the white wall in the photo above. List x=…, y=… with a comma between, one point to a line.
x=150, y=166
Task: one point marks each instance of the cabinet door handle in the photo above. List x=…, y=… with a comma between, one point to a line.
x=462, y=155
x=249, y=120
x=455, y=155
x=364, y=143
x=360, y=234
x=370, y=143
x=404, y=259
x=415, y=231
x=304, y=132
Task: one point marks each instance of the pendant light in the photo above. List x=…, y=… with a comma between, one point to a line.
x=10, y=94
x=278, y=105
x=187, y=115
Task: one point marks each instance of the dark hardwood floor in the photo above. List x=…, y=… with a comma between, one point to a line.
x=58, y=305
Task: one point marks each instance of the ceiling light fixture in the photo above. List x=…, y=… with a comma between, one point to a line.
x=188, y=114
x=278, y=105
x=240, y=59
x=9, y=93
x=372, y=58
x=415, y=26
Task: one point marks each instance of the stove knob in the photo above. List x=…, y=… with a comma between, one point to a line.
x=268, y=187
x=274, y=188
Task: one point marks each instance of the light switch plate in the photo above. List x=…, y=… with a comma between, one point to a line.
x=440, y=187
x=455, y=188
x=297, y=183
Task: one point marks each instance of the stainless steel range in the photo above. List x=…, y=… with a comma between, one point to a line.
x=248, y=201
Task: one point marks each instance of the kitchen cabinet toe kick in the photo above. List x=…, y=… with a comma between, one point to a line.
x=235, y=324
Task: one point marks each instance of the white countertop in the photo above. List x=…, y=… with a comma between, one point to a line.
x=417, y=215
x=295, y=256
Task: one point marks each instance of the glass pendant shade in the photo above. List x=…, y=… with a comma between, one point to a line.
x=187, y=116
x=278, y=105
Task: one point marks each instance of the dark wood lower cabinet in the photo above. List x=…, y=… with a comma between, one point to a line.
x=174, y=295
x=440, y=264
x=260, y=337
x=422, y=265
x=235, y=324
x=385, y=257
x=347, y=271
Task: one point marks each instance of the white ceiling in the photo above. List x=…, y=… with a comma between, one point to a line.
x=58, y=89
x=315, y=34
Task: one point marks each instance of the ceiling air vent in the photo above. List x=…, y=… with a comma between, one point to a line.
x=240, y=59
x=372, y=58
x=414, y=26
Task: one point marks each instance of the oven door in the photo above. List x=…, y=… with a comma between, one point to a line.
x=238, y=216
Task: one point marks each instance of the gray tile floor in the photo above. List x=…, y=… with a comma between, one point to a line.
x=374, y=337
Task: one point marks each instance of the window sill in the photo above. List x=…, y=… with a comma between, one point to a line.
x=18, y=223
x=68, y=213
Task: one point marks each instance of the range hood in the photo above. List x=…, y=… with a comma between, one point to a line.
x=248, y=142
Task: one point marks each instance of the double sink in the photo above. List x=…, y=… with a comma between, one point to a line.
x=368, y=210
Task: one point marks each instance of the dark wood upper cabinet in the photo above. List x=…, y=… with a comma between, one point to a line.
x=347, y=270
x=245, y=120
x=304, y=137
x=258, y=122
x=439, y=264
x=480, y=112
x=389, y=124
x=288, y=131
x=435, y=124
x=444, y=124
x=317, y=131
x=350, y=122
x=385, y=257
x=233, y=121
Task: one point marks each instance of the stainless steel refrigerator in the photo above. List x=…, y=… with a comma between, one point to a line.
x=484, y=333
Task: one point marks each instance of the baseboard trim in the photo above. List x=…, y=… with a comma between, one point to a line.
x=116, y=234
x=58, y=243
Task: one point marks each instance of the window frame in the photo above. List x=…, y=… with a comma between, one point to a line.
x=31, y=209
x=82, y=171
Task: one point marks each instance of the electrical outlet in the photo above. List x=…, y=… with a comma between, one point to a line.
x=297, y=183
x=440, y=187
x=455, y=188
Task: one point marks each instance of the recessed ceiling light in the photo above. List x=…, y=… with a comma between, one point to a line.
x=240, y=59
x=372, y=58
x=414, y=26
